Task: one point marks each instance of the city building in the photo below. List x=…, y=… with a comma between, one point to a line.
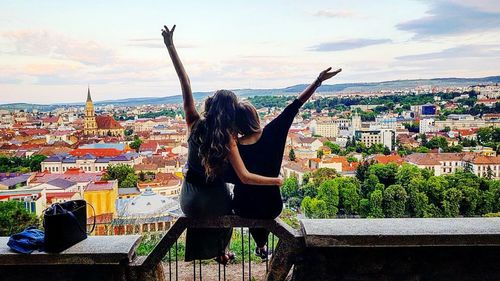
x=100, y=125
x=427, y=125
x=371, y=137
x=449, y=163
x=88, y=163
x=147, y=212
x=330, y=128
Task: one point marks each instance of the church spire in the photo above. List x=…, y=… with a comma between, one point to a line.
x=88, y=94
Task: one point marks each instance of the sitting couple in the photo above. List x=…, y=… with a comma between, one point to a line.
x=217, y=155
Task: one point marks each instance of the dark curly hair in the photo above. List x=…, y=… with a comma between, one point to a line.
x=215, y=130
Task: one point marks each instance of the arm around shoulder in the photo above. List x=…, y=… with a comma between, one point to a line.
x=243, y=174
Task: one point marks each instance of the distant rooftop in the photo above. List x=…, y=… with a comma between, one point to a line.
x=118, y=146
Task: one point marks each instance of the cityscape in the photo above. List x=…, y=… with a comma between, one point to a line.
x=262, y=140
x=127, y=161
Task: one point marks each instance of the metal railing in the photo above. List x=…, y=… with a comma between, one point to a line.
x=284, y=242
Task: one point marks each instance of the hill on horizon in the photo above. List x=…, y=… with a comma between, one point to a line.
x=291, y=90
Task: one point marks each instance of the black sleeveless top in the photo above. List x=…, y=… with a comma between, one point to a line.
x=264, y=157
x=195, y=173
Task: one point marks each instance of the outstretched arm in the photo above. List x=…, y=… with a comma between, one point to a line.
x=243, y=174
x=324, y=75
x=187, y=95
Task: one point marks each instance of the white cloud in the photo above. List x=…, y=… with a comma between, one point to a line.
x=55, y=45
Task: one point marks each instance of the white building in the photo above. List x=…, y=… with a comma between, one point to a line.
x=427, y=125
x=371, y=137
x=59, y=164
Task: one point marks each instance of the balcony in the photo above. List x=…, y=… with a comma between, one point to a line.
x=337, y=249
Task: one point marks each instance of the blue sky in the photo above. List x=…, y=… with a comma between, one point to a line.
x=51, y=50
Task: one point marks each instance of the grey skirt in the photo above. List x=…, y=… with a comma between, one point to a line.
x=205, y=201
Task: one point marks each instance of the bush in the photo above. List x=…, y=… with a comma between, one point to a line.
x=15, y=218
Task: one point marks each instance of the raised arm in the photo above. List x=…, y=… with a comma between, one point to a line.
x=324, y=75
x=187, y=95
x=243, y=174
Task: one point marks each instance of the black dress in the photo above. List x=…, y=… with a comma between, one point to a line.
x=263, y=158
x=204, y=198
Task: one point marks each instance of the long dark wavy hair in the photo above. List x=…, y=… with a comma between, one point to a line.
x=215, y=130
x=247, y=119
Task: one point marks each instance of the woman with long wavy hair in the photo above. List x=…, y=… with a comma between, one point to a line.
x=211, y=146
x=262, y=152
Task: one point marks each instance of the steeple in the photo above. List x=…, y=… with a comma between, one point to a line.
x=88, y=94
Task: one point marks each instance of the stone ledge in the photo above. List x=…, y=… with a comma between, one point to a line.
x=401, y=232
x=92, y=251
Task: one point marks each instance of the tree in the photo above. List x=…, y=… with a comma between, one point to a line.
x=323, y=174
x=369, y=184
x=385, y=173
x=468, y=168
x=309, y=189
x=376, y=200
x=406, y=173
x=319, y=153
x=305, y=206
x=290, y=188
x=423, y=149
x=120, y=172
x=421, y=205
x=291, y=155
x=329, y=193
x=15, y=218
x=335, y=148
x=35, y=162
x=142, y=176
x=314, y=208
x=423, y=140
x=351, y=159
x=349, y=195
x=294, y=203
x=364, y=207
x=489, y=173
x=136, y=143
x=130, y=181
x=362, y=170
x=319, y=209
x=451, y=202
x=470, y=200
x=437, y=142
x=395, y=201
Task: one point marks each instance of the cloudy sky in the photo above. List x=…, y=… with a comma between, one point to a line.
x=51, y=50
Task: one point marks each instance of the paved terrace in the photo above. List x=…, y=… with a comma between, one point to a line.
x=340, y=249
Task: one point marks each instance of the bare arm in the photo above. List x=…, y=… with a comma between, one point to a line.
x=309, y=91
x=243, y=174
x=187, y=95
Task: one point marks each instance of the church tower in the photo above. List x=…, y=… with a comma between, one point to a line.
x=90, y=126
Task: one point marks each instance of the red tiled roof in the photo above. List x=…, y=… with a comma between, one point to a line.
x=52, y=119
x=54, y=195
x=100, y=185
x=32, y=132
x=98, y=152
x=73, y=171
x=144, y=166
x=488, y=100
x=480, y=159
x=107, y=122
x=385, y=159
x=466, y=132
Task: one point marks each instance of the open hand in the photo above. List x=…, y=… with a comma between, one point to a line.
x=326, y=74
x=168, y=35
